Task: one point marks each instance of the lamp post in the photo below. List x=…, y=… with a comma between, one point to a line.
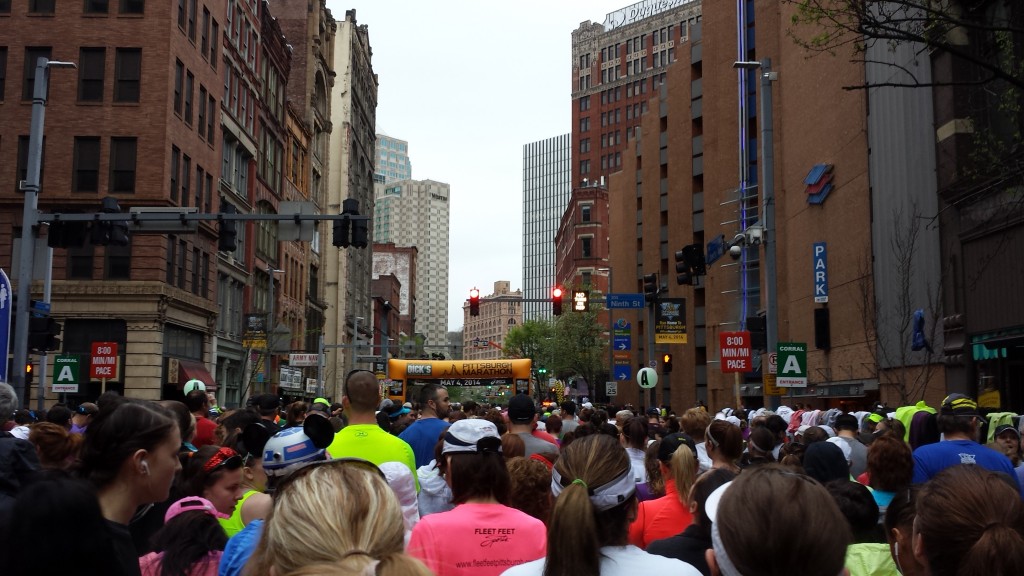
x=30, y=221
x=271, y=326
x=611, y=326
x=767, y=197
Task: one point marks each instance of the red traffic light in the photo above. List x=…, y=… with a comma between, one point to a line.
x=474, y=302
x=556, y=292
x=474, y=293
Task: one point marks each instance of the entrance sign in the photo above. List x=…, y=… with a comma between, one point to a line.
x=65, y=374
x=734, y=351
x=103, y=363
x=792, y=365
x=647, y=377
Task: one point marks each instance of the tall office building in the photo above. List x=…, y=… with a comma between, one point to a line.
x=546, y=188
x=392, y=159
x=415, y=213
x=617, y=66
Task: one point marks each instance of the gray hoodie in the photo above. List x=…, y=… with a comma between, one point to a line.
x=435, y=495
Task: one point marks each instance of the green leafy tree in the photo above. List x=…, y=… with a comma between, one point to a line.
x=580, y=346
x=531, y=339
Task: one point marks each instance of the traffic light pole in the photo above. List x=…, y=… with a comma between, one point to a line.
x=29, y=222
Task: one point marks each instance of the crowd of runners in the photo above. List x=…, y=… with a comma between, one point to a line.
x=368, y=485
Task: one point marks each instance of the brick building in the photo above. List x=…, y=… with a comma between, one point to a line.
x=500, y=311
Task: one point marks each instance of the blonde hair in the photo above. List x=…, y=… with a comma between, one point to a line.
x=684, y=471
x=334, y=518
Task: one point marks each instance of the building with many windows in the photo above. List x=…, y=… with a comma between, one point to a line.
x=483, y=336
x=393, y=159
x=415, y=213
x=546, y=189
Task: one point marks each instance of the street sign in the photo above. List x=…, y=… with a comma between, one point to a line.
x=647, y=377
x=622, y=370
x=625, y=300
x=611, y=388
x=103, y=363
x=40, y=309
x=6, y=303
x=580, y=300
x=793, y=365
x=734, y=351
x=622, y=342
x=820, y=262
x=303, y=359
x=65, y=374
x=716, y=249
x=773, y=363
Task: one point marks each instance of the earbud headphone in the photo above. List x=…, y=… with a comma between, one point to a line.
x=145, y=468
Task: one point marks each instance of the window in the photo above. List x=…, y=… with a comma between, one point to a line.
x=204, y=33
x=80, y=262
x=133, y=7
x=175, y=171
x=127, y=74
x=96, y=6
x=199, y=186
x=196, y=264
x=201, y=122
x=179, y=79
x=41, y=6
x=192, y=20
x=186, y=176
x=86, y=174
x=91, y=62
x=181, y=14
x=214, y=45
x=5, y=6
x=122, y=164
x=189, y=85
x=3, y=71
x=180, y=267
x=23, y=162
x=117, y=262
x=32, y=55
x=172, y=245
x=209, y=193
x=585, y=213
x=585, y=247
x=211, y=117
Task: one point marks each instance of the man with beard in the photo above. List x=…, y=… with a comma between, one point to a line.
x=423, y=434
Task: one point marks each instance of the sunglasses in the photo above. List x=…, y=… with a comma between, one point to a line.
x=346, y=462
x=225, y=458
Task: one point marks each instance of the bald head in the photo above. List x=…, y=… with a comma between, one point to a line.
x=362, y=392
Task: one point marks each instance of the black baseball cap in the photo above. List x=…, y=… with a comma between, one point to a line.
x=672, y=442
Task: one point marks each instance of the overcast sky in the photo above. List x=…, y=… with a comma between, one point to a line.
x=467, y=83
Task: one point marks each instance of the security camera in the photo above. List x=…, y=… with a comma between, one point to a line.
x=735, y=251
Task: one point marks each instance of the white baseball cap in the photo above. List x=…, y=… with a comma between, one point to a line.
x=194, y=385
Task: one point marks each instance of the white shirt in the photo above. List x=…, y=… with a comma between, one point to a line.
x=619, y=561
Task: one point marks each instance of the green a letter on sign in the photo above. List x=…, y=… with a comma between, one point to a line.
x=792, y=365
x=65, y=374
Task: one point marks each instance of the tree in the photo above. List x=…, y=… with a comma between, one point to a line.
x=888, y=318
x=580, y=346
x=531, y=339
x=983, y=34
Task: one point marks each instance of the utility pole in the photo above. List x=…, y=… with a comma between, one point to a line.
x=29, y=222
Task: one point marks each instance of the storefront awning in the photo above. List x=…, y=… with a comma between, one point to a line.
x=190, y=369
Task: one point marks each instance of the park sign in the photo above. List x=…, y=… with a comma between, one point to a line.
x=792, y=365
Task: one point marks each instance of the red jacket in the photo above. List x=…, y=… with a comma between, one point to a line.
x=659, y=518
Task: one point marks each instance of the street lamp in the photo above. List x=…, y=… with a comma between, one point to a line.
x=767, y=196
x=611, y=326
x=30, y=220
x=271, y=331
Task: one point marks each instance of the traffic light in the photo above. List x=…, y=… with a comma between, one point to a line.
x=556, y=301
x=542, y=372
x=666, y=363
x=66, y=234
x=758, y=332
x=227, y=238
x=343, y=228
x=29, y=375
x=690, y=263
x=105, y=233
x=360, y=228
x=43, y=334
x=651, y=287
x=474, y=302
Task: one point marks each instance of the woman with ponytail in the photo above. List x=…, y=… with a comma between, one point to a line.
x=970, y=521
x=595, y=501
x=482, y=536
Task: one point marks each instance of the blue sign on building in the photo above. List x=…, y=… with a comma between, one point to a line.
x=820, y=262
x=622, y=343
x=622, y=372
